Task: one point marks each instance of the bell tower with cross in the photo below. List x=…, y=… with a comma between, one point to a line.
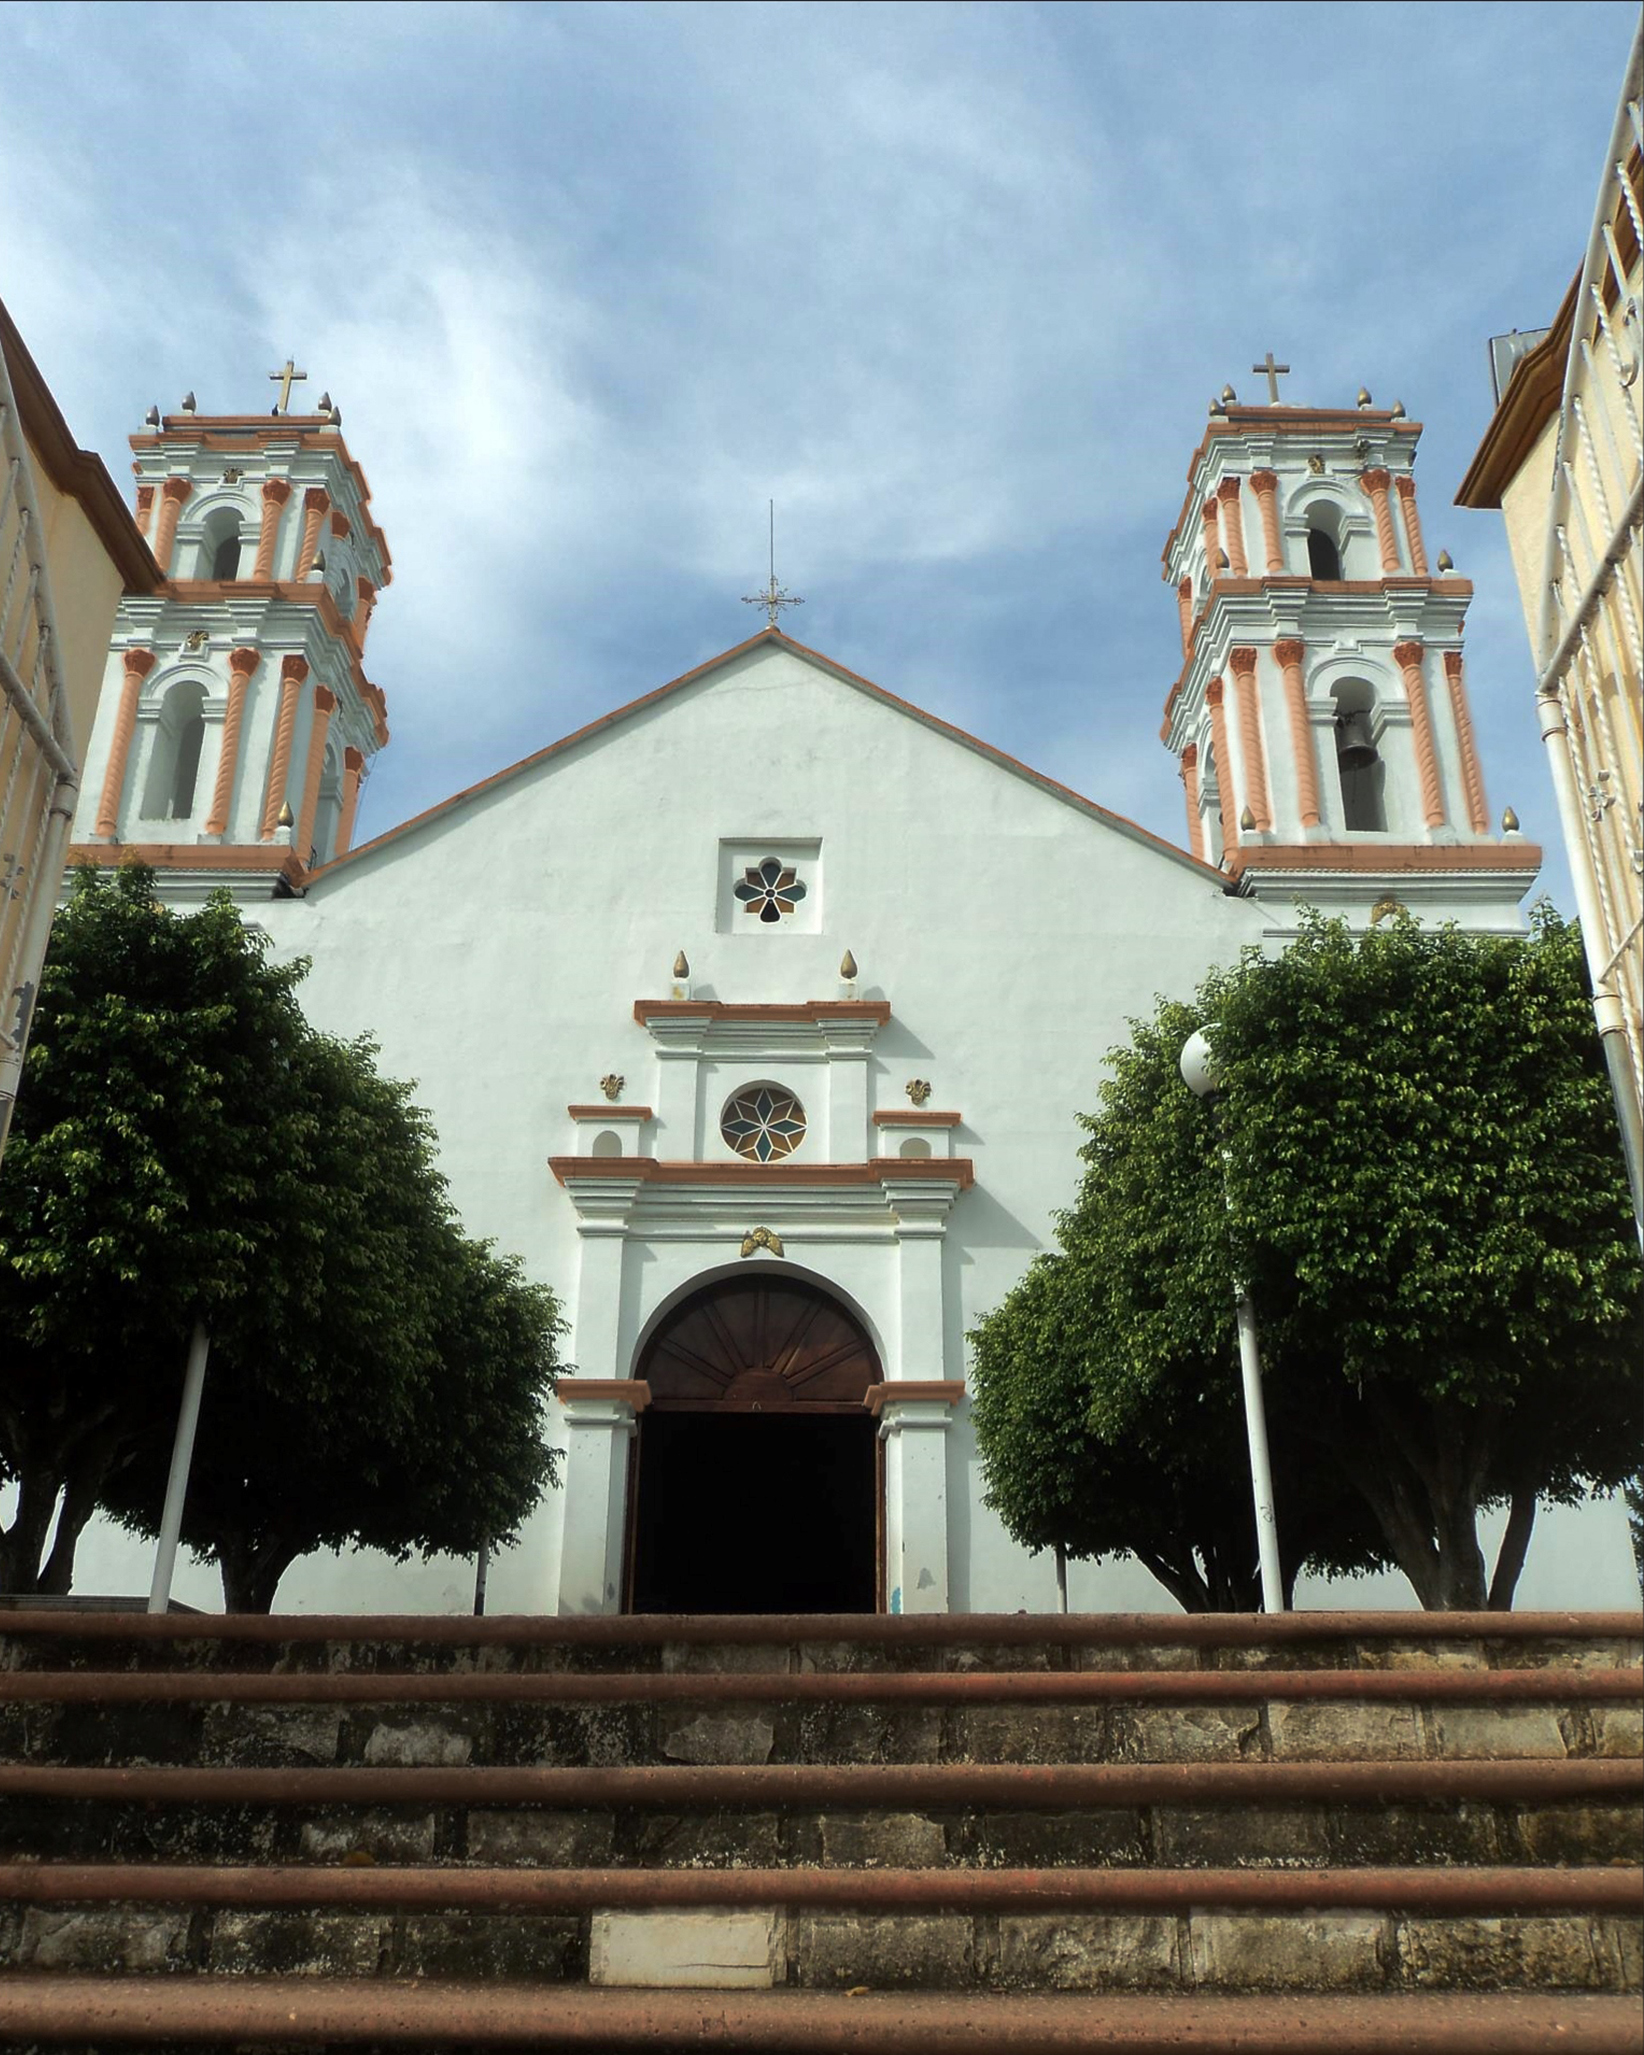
x=237, y=723
x=1321, y=717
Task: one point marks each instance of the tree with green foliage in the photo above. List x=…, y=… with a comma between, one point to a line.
x=1083, y=1453
x=187, y=1148
x=1411, y=1160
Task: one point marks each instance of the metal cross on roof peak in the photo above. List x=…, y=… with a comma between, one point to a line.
x=285, y=378
x=773, y=598
x=1274, y=373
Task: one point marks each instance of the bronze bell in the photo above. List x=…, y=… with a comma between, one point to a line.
x=1355, y=750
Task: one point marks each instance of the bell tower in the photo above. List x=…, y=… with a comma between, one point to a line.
x=237, y=724
x=1321, y=717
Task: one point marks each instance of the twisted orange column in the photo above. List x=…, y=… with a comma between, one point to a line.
x=293, y=670
x=365, y=599
x=1184, y=607
x=1288, y=656
x=1405, y=487
x=1224, y=763
x=325, y=705
x=138, y=663
x=1375, y=485
x=353, y=778
x=241, y=664
x=1407, y=655
x=1190, y=779
x=1472, y=772
x=172, y=495
x=1233, y=526
x=145, y=508
x=315, y=503
x=276, y=491
x=1212, y=546
x=1250, y=735
x=1265, y=485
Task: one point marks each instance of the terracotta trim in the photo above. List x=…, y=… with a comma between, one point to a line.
x=138, y=663
x=724, y=1010
x=1494, y=1889
x=1529, y=403
x=1242, y=662
x=1038, y=1787
x=184, y=856
x=1375, y=484
x=1210, y=518
x=365, y=598
x=1233, y=525
x=609, y=1112
x=242, y=663
x=310, y=2011
x=1472, y=771
x=970, y=1630
x=914, y=1116
x=776, y=638
x=1405, y=486
x=957, y=1170
x=1243, y=1686
x=1288, y=655
x=79, y=473
x=340, y=525
x=1239, y=423
x=293, y=670
x=1265, y=485
x=145, y=509
x=632, y=1392
x=1522, y=857
x=1408, y=655
x=946, y=1391
x=1190, y=782
x=173, y=493
x=1227, y=809
x=203, y=591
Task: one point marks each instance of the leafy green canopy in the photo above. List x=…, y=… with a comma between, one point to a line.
x=1423, y=1190
x=187, y=1147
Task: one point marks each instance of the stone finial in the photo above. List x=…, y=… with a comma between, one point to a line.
x=682, y=966
x=847, y=966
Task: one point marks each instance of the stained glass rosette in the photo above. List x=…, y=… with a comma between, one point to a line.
x=770, y=890
x=763, y=1124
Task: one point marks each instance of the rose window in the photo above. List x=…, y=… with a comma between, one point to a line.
x=770, y=889
x=763, y=1123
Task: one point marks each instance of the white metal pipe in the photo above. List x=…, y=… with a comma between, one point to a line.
x=182, y=1455
x=1261, y=1469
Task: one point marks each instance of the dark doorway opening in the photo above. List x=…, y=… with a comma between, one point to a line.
x=755, y=1513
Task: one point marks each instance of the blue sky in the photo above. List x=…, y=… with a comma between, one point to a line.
x=952, y=284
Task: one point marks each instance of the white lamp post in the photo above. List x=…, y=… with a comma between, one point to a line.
x=1198, y=1067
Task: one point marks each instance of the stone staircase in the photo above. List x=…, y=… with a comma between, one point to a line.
x=1331, y=1832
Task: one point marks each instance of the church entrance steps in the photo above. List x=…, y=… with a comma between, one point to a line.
x=974, y=1813
x=219, y=2013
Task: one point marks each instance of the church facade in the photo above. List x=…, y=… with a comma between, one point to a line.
x=767, y=1048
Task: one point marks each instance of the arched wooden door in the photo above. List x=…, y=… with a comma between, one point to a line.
x=756, y=1485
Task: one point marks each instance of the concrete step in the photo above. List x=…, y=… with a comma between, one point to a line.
x=1309, y=1814
x=1083, y=1930
x=295, y=2012
x=822, y=1643
x=239, y=1718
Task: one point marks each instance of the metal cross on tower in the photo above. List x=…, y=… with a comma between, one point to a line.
x=285, y=378
x=1274, y=373
x=773, y=598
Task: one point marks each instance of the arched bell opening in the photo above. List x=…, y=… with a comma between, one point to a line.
x=1359, y=767
x=757, y=1481
x=174, y=758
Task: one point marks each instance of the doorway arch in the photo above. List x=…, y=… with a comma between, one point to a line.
x=757, y=1481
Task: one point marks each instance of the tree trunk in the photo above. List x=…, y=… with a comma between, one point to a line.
x=251, y=1571
x=1515, y=1545
x=24, y=1541
x=1185, y=1586
x=79, y=1503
